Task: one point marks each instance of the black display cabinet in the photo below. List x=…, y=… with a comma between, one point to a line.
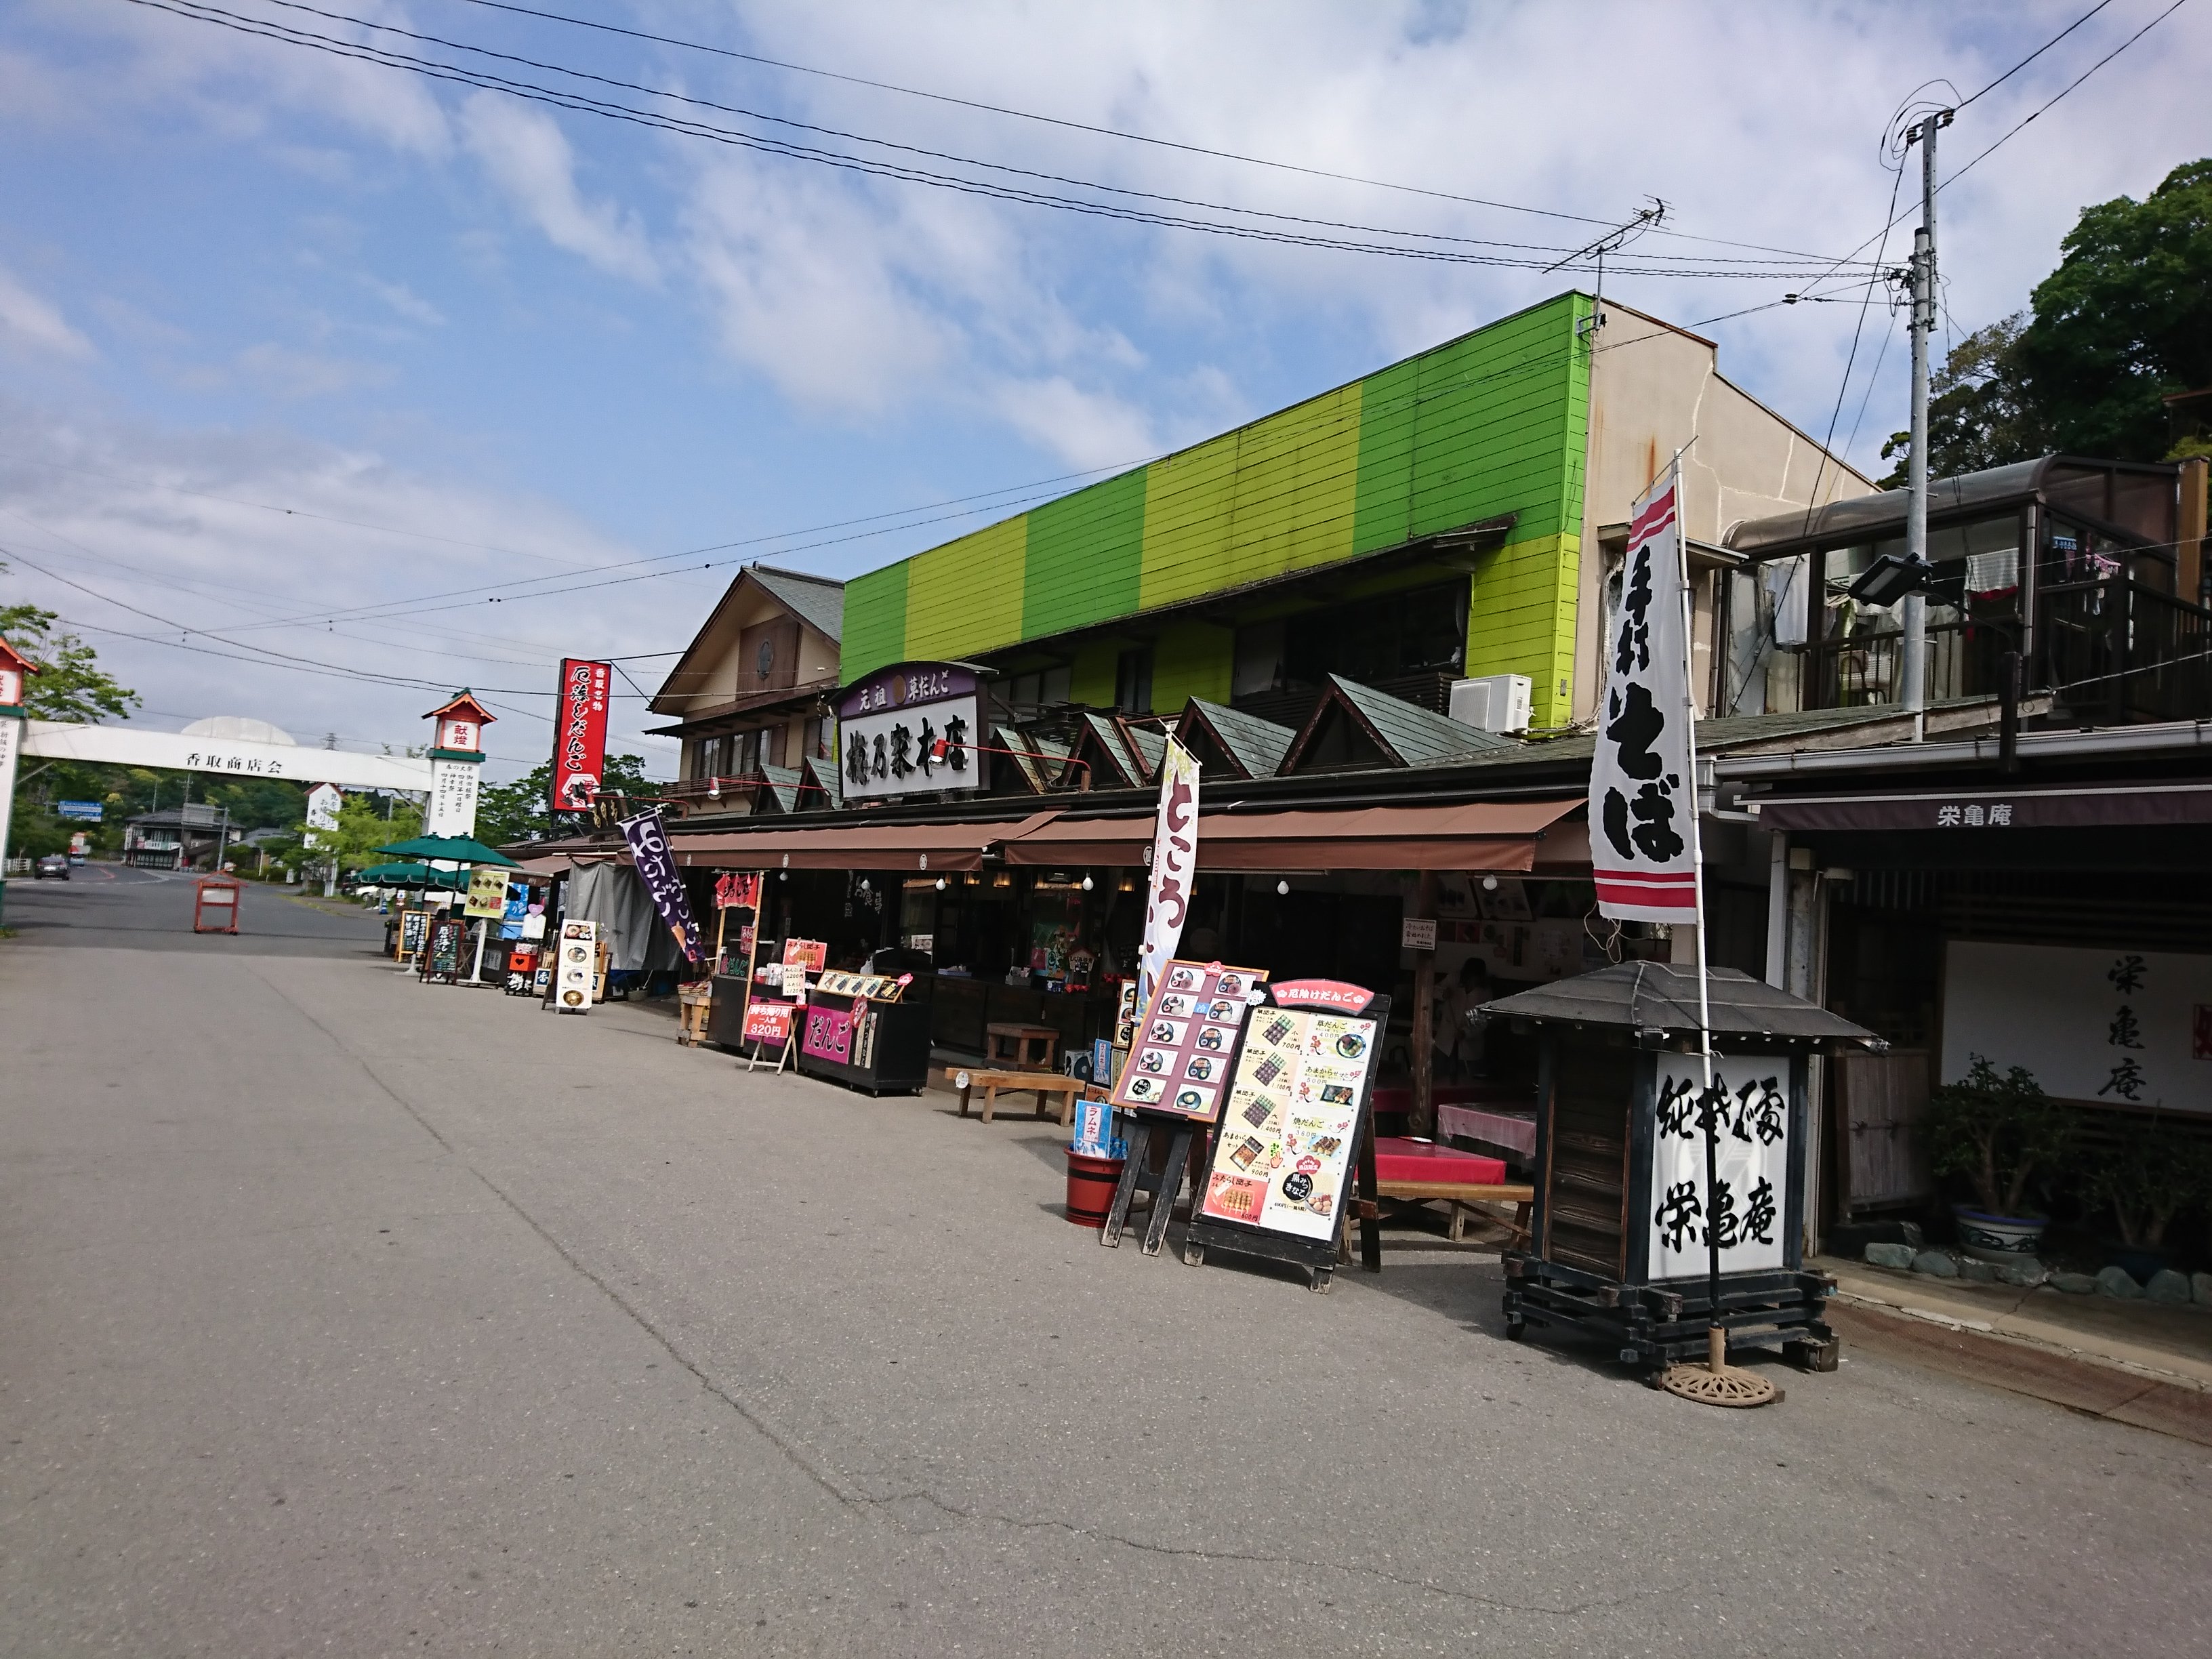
x=856, y=1031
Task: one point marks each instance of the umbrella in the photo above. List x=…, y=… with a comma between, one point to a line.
x=449, y=850
x=402, y=874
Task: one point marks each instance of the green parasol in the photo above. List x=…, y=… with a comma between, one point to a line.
x=449, y=850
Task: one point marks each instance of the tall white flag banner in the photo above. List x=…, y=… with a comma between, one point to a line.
x=1643, y=795
x=1174, y=859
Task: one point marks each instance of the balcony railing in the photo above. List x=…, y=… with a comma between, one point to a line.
x=2114, y=649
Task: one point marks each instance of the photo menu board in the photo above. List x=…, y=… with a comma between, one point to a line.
x=1284, y=1152
x=1180, y=1056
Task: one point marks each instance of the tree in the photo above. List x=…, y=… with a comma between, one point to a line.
x=2125, y=320
x=362, y=828
x=2123, y=323
x=522, y=810
x=69, y=685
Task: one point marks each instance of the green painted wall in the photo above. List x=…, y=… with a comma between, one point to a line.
x=1490, y=423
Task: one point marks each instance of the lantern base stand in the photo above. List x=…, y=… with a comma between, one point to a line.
x=1716, y=1383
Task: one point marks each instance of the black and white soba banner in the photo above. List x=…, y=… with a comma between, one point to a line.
x=1747, y=1107
x=1643, y=798
x=656, y=867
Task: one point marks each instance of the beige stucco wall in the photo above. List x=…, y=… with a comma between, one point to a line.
x=1652, y=388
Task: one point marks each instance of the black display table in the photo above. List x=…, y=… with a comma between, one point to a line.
x=878, y=1047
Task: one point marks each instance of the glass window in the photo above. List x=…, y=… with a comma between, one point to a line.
x=1133, y=682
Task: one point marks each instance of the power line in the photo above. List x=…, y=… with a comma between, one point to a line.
x=197, y=11
x=1105, y=131
x=2075, y=82
x=2038, y=51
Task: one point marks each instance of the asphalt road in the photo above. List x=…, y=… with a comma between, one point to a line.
x=340, y=1314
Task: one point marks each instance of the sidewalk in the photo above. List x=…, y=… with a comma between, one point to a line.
x=2134, y=1362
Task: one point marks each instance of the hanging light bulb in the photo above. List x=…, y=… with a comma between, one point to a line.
x=1489, y=883
x=940, y=884
x=1087, y=882
x=1283, y=888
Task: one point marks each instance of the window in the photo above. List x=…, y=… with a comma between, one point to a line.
x=1040, y=686
x=816, y=739
x=1421, y=631
x=1132, y=682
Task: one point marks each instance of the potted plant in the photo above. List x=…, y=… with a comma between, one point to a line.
x=2146, y=1177
x=1998, y=1131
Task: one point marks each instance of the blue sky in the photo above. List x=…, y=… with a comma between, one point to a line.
x=283, y=336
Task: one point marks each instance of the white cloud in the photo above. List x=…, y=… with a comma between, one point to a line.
x=528, y=157
x=28, y=319
x=1084, y=429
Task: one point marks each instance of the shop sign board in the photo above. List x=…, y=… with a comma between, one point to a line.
x=767, y=1021
x=86, y=812
x=811, y=955
x=413, y=924
x=441, y=958
x=1284, y=1152
x=1179, y=1063
x=487, y=895
x=2111, y=1028
x=1093, y=1135
x=1643, y=790
x=1748, y=1105
x=577, y=967
x=579, y=733
x=828, y=1033
x=910, y=729
x=1417, y=933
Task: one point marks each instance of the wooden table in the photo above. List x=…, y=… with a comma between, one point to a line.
x=1039, y=1083
x=1010, y=1045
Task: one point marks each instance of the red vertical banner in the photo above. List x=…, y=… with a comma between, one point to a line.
x=579, y=733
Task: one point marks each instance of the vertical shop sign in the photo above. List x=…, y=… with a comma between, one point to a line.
x=1745, y=1108
x=656, y=867
x=1174, y=858
x=1643, y=793
x=576, y=968
x=579, y=733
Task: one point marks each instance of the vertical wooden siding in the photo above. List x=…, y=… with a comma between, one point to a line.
x=1491, y=423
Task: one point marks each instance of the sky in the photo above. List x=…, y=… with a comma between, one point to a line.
x=327, y=387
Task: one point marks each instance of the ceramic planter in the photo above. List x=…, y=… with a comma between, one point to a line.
x=1998, y=1238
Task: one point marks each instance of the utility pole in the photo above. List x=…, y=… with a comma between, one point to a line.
x=1914, y=643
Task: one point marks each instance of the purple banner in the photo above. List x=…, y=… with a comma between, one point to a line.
x=656, y=868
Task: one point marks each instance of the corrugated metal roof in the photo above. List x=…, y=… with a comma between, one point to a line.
x=820, y=600
x=1411, y=733
x=1662, y=997
x=1881, y=517
x=1254, y=744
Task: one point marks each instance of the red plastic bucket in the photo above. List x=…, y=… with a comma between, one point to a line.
x=1090, y=1184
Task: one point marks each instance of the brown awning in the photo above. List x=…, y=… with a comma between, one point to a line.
x=1993, y=809
x=1467, y=836
x=853, y=847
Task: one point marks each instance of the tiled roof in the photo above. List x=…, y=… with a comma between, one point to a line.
x=1150, y=748
x=782, y=785
x=829, y=785
x=1256, y=746
x=820, y=600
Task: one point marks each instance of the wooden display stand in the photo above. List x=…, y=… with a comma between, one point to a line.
x=1165, y=1184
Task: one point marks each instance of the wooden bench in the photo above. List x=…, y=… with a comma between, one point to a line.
x=1461, y=1196
x=967, y=1078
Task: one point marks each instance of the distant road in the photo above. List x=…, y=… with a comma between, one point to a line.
x=114, y=908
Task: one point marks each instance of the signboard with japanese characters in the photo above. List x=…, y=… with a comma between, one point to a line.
x=452, y=806
x=1284, y=1152
x=1179, y=1064
x=579, y=733
x=646, y=837
x=2108, y=1027
x=1747, y=1107
x=324, y=800
x=769, y=1022
x=910, y=729
x=1173, y=860
x=1643, y=795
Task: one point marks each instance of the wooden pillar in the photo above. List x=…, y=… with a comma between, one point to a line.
x=1424, y=997
x=2190, y=534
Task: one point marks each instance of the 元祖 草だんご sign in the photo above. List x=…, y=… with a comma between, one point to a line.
x=911, y=729
x=1747, y=1105
x=579, y=733
x=1642, y=794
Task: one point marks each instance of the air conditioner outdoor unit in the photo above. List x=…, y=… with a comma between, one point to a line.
x=1495, y=702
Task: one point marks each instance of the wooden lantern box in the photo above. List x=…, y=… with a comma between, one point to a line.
x=1617, y=1235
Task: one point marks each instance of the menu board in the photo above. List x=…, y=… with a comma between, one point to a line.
x=812, y=954
x=1179, y=1058
x=769, y=1022
x=882, y=988
x=413, y=924
x=442, y=961
x=577, y=967
x=1285, y=1151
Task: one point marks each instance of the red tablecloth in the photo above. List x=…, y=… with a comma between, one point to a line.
x=1397, y=1158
